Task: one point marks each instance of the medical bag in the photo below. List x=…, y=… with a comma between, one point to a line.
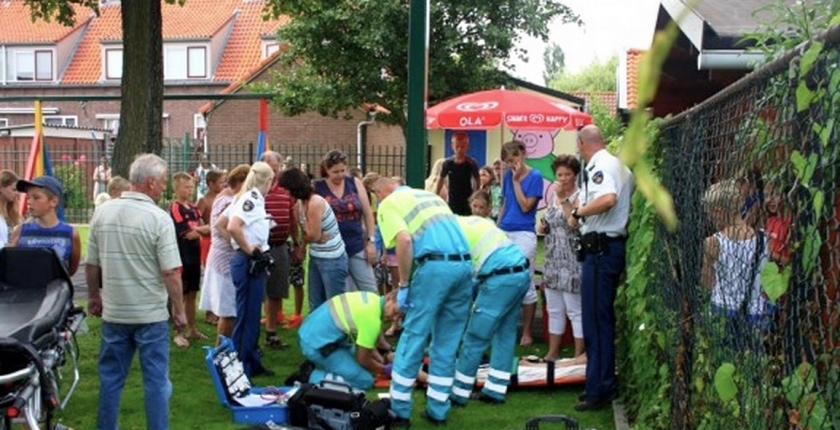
x=335, y=406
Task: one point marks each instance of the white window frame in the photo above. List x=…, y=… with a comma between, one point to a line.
x=4, y=122
x=13, y=57
x=199, y=127
x=64, y=120
x=190, y=69
x=106, y=59
x=269, y=47
x=108, y=120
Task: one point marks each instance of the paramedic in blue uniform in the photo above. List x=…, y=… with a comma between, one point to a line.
x=435, y=296
x=602, y=216
x=502, y=279
x=248, y=226
x=339, y=337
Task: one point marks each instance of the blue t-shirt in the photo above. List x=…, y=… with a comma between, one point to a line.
x=513, y=219
x=58, y=238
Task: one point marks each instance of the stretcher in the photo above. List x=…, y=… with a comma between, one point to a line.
x=528, y=372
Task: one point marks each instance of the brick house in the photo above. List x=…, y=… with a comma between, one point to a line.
x=207, y=45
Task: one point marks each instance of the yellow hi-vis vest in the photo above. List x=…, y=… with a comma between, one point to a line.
x=359, y=315
x=483, y=237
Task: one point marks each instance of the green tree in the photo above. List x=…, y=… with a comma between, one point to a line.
x=141, y=128
x=555, y=61
x=343, y=54
x=598, y=76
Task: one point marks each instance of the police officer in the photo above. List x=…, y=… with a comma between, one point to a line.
x=248, y=226
x=436, y=302
x=603, y=214
x=347, y=322
x=502, y=277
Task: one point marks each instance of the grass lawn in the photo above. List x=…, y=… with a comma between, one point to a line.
x=194, y=404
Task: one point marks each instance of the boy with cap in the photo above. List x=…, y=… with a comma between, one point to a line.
x=43, y=229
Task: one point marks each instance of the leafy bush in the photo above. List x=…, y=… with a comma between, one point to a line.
x=75, y=192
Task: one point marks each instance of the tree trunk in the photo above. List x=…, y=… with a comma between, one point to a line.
x=141, y=107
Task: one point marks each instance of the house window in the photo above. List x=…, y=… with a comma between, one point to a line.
x=199, y=127
x=269, y=48
x=4, y=122
x=113, y=63
x=184, y=62
x=109, y=121
x=61, y=120
x=29, y=65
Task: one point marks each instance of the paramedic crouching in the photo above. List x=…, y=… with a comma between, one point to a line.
x=603, y=214
x=339, y=337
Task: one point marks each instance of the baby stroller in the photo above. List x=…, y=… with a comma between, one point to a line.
x=38, y=324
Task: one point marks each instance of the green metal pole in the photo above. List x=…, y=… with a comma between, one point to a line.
x=418, y=73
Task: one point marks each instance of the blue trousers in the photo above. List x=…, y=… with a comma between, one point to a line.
x=250, y=290
x=116, y=350
x=599, y=283
x=440, y=294
x=492, y=323
x=339, y=365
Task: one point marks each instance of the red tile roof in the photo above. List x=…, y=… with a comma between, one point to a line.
x=244, y=48
x=608, y=99
x=634, y=57
x=18, y=26
x=196, y=19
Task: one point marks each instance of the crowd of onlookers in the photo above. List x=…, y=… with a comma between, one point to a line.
x=234, y=244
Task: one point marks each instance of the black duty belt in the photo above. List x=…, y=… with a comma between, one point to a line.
x=443, y=257
x=506, y=271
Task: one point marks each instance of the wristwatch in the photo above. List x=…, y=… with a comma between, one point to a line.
x=371, y=238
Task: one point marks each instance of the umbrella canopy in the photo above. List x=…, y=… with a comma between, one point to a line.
x=486, y=110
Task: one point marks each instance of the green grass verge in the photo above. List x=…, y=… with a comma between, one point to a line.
x=194, y=404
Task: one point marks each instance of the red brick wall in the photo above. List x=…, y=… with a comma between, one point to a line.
x=237, y=122
x=180, y=112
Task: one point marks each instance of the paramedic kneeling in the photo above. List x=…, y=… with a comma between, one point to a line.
x=339, y=337
x=603, y=216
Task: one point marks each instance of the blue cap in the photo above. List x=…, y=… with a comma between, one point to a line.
x=47, y=182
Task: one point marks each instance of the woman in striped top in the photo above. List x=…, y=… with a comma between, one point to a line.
x=327, y=256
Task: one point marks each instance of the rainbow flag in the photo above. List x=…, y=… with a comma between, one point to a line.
x=38, y=163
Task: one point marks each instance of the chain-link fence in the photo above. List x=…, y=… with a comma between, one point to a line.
x=743, y=297
x=75, y=161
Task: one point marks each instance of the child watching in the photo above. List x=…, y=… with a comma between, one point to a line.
x=188, y=228
x=117, y=185
x=44, y=229
x=480, y=204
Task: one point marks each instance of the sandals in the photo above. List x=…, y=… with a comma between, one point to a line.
x=294, y=322
x=181, y=341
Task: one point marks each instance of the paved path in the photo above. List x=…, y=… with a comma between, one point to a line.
x=80, y=284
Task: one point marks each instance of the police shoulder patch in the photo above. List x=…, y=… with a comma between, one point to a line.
x=598, y=177
x=254, y=194
x=247, y=206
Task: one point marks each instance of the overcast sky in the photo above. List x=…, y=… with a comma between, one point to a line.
x=610, y=26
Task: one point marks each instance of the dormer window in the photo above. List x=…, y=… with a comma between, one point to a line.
x=181, y=62
x=269, y=47
x=29, y=65
x=113, y=63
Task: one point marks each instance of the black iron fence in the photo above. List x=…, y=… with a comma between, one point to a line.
x=74, y=163
x=733, y=320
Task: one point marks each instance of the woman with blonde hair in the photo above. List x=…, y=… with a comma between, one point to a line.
x=248, y=226
x=9, y=205
x=434, y=177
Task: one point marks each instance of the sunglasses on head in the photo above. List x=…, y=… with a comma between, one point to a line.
x=336, y=157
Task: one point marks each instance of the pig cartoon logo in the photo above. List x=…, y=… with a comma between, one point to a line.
x=539, y=154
